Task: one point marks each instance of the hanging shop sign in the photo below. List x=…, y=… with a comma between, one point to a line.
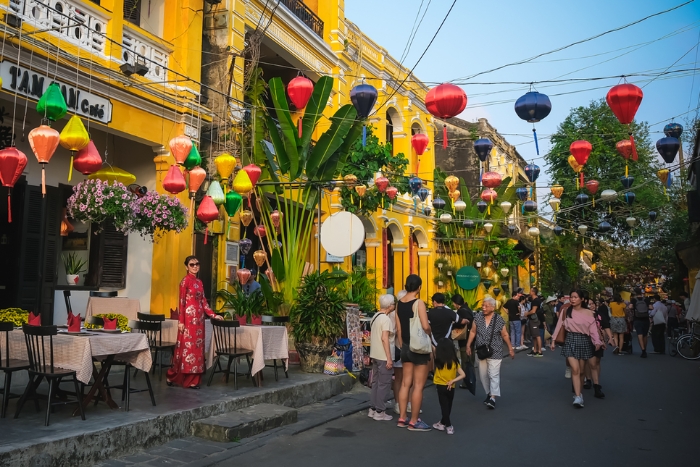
x=468, y=277
x=31, y=84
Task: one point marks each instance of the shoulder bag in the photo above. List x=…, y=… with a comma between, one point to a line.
x=485, y=351
x=560, y=338
x=420, y=341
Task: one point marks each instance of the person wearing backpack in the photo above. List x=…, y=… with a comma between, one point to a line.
x=641, y=321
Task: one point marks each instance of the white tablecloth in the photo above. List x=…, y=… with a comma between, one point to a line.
x=121, y=305
x=76, y=352
x=266, y=342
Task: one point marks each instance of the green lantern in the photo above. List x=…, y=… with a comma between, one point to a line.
x=232, y=203
x=52, y=104
x=193, y=158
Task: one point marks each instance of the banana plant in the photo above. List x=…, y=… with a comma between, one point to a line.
x=299, y=167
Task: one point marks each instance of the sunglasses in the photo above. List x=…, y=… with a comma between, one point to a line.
x=192, y=265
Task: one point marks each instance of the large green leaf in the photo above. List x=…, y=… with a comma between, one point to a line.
x=278, y=265
x=283, y=162
x=289, y=130
x=314, y=109
x=331, y=139
x=270, y=170
x=337, y=160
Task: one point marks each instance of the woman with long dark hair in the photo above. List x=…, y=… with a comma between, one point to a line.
x=447, y=373
x=618, y=322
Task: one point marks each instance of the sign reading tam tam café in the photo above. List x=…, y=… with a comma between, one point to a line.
x=468, y=277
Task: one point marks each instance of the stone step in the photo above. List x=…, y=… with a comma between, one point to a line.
x=244, y=423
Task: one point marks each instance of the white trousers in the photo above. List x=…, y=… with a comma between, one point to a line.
x=490, y=375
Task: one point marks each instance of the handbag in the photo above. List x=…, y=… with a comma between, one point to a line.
x=459, y=334
x=334, y=364
x=560, y=338
x=659, y=318
x=420, y=341
x=485, y=351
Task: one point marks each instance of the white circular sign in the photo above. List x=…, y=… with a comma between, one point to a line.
x=342, y=234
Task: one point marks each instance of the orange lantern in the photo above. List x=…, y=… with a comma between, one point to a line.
x=197, y=176
x=43, y=141
x=180, y=147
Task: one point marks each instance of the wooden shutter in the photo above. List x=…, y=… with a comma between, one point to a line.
x=132, y=11
x=113, y=252
x=52, y=251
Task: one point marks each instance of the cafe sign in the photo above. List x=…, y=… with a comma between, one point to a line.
x=32, y=84
x=468, y=278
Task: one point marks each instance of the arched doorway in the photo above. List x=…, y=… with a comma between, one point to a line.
x=387, y=259
x=389, y=131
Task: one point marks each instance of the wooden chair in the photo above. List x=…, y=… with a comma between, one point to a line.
x=41, y=365
x=155, y=339
x=226, y=344
x=268, y=320
x=9, y=366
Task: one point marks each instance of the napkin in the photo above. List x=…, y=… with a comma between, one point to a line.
x=174, y=314
x=34, y=320
x=73, y=322
x=110, y=323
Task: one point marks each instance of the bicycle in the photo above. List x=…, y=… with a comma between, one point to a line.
x=688, y=345
x=676, y=334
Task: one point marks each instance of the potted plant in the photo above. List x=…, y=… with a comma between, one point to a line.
x=317, y=319
x=247, y=308
x=74, y=266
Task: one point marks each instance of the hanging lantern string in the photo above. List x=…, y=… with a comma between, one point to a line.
x=26, y=101
x=14, y=109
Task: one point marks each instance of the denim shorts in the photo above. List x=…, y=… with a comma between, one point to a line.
x=641, y=326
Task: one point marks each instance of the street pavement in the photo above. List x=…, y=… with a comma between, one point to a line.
x=649, y=416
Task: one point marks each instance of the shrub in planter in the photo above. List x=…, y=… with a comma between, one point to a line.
x=245, y=307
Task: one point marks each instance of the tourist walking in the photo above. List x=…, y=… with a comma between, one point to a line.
x=525, y=331
x=549, y=317
x=602, y=317
x=673, y=313
x=513, y=308
x=188, y=359
x=441, y=319
x=659, y=317
x=618, y=322
x=641, y=320
x=447, y=373
x=581, y=331
x=533, y=323
x=415, y=365
x=461, y=332
x=381, y=353
x=489, y=333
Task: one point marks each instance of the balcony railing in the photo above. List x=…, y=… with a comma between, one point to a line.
x=306, y=16
x=137, y=47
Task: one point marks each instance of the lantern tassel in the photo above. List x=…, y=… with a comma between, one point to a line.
x=627, y=169
x=364, y=135
x=43, y=179
x=444, y=137
x=537, y=146
x=418, y=166
x=206, y=233
x=9, y=207
x=488, y=209
x=581, y=175
x=70, y=168
x=594, y=201
x=634, y=148
x=577, y=187
x=299, y=126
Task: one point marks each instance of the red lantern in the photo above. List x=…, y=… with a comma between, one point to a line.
x=381, y=183
x=489, y=195
x=260, y=231
x=419, y=141
x=624, y=100
x=581, y=149
x=174, y=181
x=197, y=176
x=391, y=192
x=253, y=172
x=87, y=160
x=243, y=275
x=624, y=148
x=12, y=164
x=491, y=179
x=180, y=147
x=592, y=186
x=206, y=213
x=445, y=101
x=299, y=90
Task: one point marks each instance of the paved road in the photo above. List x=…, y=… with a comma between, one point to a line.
x=650, y=417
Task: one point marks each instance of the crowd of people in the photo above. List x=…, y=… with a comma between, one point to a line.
x=412, y=343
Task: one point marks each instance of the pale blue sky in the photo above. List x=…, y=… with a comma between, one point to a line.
x=482, y=35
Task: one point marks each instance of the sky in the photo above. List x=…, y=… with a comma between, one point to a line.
x=479, y=36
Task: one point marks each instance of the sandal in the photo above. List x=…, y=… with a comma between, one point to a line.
x=169, y=383
x=194, y=387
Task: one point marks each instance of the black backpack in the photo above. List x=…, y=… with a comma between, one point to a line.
x=641, y=310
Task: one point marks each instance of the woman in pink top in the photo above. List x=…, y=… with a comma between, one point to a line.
x=581, y=337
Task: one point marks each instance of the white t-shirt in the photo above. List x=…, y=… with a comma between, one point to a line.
x=380, y=323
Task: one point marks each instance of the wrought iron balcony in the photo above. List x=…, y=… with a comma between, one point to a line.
x=305, y=14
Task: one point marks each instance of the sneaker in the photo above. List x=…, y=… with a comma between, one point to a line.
x=488, y=398
x=491, y=404
x=419, y=426
x=544, y=348
x=567, y=373
x=616, y=351
x=531, y=353
x=396, y=409
x=587, y=384
x=598, y=391
x=522, y=347
x=644, y=354
x=538, y=355
x=371, y=413
x=382, y=416
x=439, y=426
x=578, y=402
x=450, y=430
x=401, y=423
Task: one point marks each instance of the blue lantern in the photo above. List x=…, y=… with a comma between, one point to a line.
x=532, y=171
x=468, y=224
x=630, y=197
x=627, y=182
x=363, y=97
x=511, y=228
x=522, y=193
x=582, y=198
x=481, y=206
x=415, y=184
x=483, y=147
x=529, y=206
x=652, y=216
x=558, y=230
x=533, y=107
x=604, y=227
x=423, y=194
x=438, y=203
x=427, y=211
x=674, y=130
x=668, y=148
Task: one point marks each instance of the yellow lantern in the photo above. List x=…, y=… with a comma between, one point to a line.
x=663, y=177
x=241, y=183
x=350, y=181
x=451, y=182
x=246, y=218
x=74, y=137
x=557, y=191
x=259, y=256
x=225, y=163
x=454, y=195
x=361, y=190
x=114, y=174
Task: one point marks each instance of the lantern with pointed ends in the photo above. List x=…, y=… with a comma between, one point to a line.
x=511, y=229
x=382, y=183
x=243, y=275
x=363, y=97
x=174, y=182
x=427, y=211
x=624, y=100
x=259, y=256
x=496, y=291
x=486, y=257
x=233, y=203
x=674, y=130
x=88, y=159
x=532, y=172
x=361, y=190
x=225, y=163
x=419, y=141
x=505, y=206
x=522, y=193
x=180, y=147
x=631, y=221
x=460, y=205
x=241, y=183
x=592, y=186
x=488, y=227
x=627, y=182
x=193, y=159
x=74, y=137
x=583, y=228
x=438, y=203
x=260, y=231
x=216, y=193
x=451, y=183
x=624, y=148
x=446, y=218
x=529, y=206
x=391, y=192
x=207, y=212
x=554, y=203
x=12, y=164
x=423, y=194
x=630, y=197
x=196, y=176
x=483, y=147
x=558, y=230
x=491, y=179
x=533, y=107
x=495, y=250
x=533, y=232
x=668, y=148
x=114, y=174
x=253, y=172
x=415, y=184
x=582, y=198
x=663, y=176
x=445, y=101
x=245, y=244
x=350, y=181
x=482, y=206
x=504, y=272
x=44, y=140
x=454, y=195
x=608, y=195
x=52, y=104
x=299, y=91
x=557, y=190
x=487, y=284
x=604, y=227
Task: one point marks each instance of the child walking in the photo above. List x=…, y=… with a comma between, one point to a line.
x=447, y=373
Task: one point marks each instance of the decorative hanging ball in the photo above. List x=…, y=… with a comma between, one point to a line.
x=482, y=206
x=233, y=203
x=259, y=256
x=253, y=172
x=488, y=227
x=604, y=227
x=363, y=96
x=245, y=245
x=592, y=186
x=460, y=206
x=583, y=228
x=627, y=181
x=12, y=164
x=276, y=218
x=491, y=179
x=180, y=147
x=505, y=206
x=652, y=216
x=557, y=190
x=350, y=181
x=445, y=218
x=382, y=183
x=511, y=229
x=391, y=192
x=582, y=198
x=193, y=159
x=445, y=101
x=415, y=184
x=419, y=141
x=522, y=193
x=52, y=104
x=554, y=203
x=529, y=206
x=532, y=171
x=533, y=107
x=114, y=174
x=674, y=130
x=225, y=163
x=174, y=181
x=624, y=148
x=438, y=203
x=558, y=230
x=216, y=193
x=423, y=194
x=243, y=275
x=88, y=159
x=624, y=100
x=581, y=149
x=631, y=221
x=260, y=231
x=299, y=91
x=241, y=183
x=483, y=147
x=427, y=211
x=608, y=195
x=533, y=232
x=630, y=197
x=196, y=177
x=489, y=195
x=668, y=148
x=451, y=183
x=468, y=224
x=454, y=195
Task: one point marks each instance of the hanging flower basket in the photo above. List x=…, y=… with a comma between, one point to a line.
x=96, y=201
x=156, y=214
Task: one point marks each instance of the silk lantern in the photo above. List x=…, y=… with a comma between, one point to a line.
x=361, y=190
x=511, y=229
x=241, y=183
x=363, y=97
x=419, y=141
x=197, y=176
x=668, y=148
x=483, y=147
x=558, y=231
x=260, y=231
x=66, y=226
x=216, y=193
x=609, y=196
x=174, y=181
x=652, y=216
x=468, y=224
x=245, y=244
x=391, y=192
x=52, y=105
x=533, y=107
x=445, y=101
x=276, y=218
x=532, y=172
x=299, y=91
x=582, y=198
x=451, y=183
x=415, y=184
x=253, y=172
x=533, y=232
x=674, y=130
x=225, y=163
x=232, y=203
x=423, y=194
x=630, y=197
x=581, y=149
x=489, y=195
x=193, y=159
x=529, y=206
x=74, y=137
x=88, y=159
x=381, y=183
x=592, y=187
x=505, y=207
x=206, y=213
x=454, y=195
x=491, y=179
x=482, y=206
x=259, y=256
x=445, y=218
x=243, y=275
x=522, y=193
x=113, y=174
x=180, y=147
x=663, y=175
x=44, y=140
x=427, y=211
x=557, y=190
x=12, y=164
x=350, y=181
x=488, y=227
x=624, y=100
x=583, y=228
x=460, y=206
x=554, y=203
x=438, y=203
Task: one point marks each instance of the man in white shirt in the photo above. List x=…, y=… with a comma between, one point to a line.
x=659, y=317
x=381, y=353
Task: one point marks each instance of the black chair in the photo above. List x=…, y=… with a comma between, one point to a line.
x=111, y=294
x=9, y=366
x=41, y=366
x=66, y=298
x=268, y=320
x=226, y=344
x=155, y=340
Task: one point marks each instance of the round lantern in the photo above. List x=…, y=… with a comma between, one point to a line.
x=260, y=231
x=624, y=100
x=196, y=176
x=415, y=184
x=253, y=172
x=604, y=227
x=241, y=183
x=391, y=192
x=592, y=186
x=438, y=203
x=193, y=159
x=180, y=147
x=419, y=141
x=113, y=174
x=624, y=148
x=533, y=107
x=505, y=206
x=363, y=98
x=631, y=221
x=557, y=190
x=533, y=232
x=668, y=148
x=489, y=196
x=468, y=224
x=382, y=183
x=233, y=203
x=483, y=147
x=529, y=206
x=225, y=163
x=207, y=212
x=44, y=140
x=558, y=230
x=460, y=205
x=350, y=181
x=627, y=182
x=532, y=171
x=581, y=149
x=522, y=193
x=299, y=91
x=88, y=159
x=174, y=182
x=451, y=183
x=491, y=179
x=674, y=130
x=423, y=194
x=52, y=105
x=216, y=193
x=582, y=198
x=446, y=218
x=608, y=195
x=445, y=101
x=12, y=164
